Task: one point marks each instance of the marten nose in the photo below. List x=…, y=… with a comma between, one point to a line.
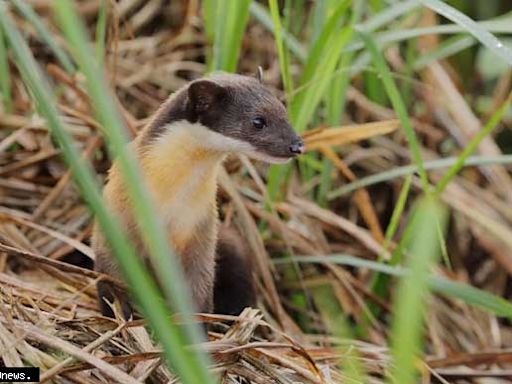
x=297, y=147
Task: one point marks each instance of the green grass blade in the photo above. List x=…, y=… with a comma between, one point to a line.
x=138, y=278
x=304, y=104
x=498, y=25
x=337, y=325
x=446, y=48
x=464, y=292
x=411, y=169
x=5, y=76
x=281, y=52
x=168, y=270
x=390, y=14
x=209, y=22
x=480, y=33
x=260, y=13
x=317, y=19
x=473, y=144
x=230, y=21
x=335, y=102
x=398, y=106
x=472, y=296
x=33, y=18
x=379, y=283
x=412, y=292
x=101, y=30
x=397, y=211
x=303, y=108
x=209, y=19
x=319, y=67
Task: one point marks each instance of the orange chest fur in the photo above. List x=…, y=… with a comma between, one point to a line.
x=182, y=178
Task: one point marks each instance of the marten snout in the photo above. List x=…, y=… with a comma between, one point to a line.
x=297, y=146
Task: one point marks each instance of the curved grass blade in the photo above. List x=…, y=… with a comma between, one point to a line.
x=411, y=169
x=446, y=48
x=390, y=14
x=480, y=33
x=142, y=285
x=498, y=25
x=230, y=21
x=168, y=270
x=281, y=52
x=412, y=292
x=319, y=67
x=468, y=294
x=101, y=30
x=398, y=106
x=473, y=144
x=33, y=18
x=5, y=77
x=260, y=13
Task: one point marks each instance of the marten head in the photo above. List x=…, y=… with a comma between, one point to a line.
x=232, y=113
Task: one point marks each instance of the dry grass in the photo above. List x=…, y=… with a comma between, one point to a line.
x=49, y=316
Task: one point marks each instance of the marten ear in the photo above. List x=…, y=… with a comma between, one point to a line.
x=204, y=93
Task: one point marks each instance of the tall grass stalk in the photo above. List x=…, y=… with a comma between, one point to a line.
x=5, y=76
x=44, y=34
x=227, y=29
x=468, y=294
x=379, y=282
x=319, y=68
x=261, y=13
x=398, y=172
x=473, y=144
x=412, y=296
x=398, y=106
x=181, y=358
x=317, y=73
x=101, y=30
x=281, y=51
x=479, y=32
x=167, y=268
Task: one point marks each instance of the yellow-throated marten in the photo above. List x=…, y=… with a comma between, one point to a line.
x=180, y=152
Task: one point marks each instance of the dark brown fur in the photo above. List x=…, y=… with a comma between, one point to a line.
x=234, y=284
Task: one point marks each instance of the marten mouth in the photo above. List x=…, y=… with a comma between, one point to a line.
x=256, y=155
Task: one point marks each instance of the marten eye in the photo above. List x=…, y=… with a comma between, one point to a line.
x=259, y=122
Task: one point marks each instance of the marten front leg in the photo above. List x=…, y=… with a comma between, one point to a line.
x=108, y=293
